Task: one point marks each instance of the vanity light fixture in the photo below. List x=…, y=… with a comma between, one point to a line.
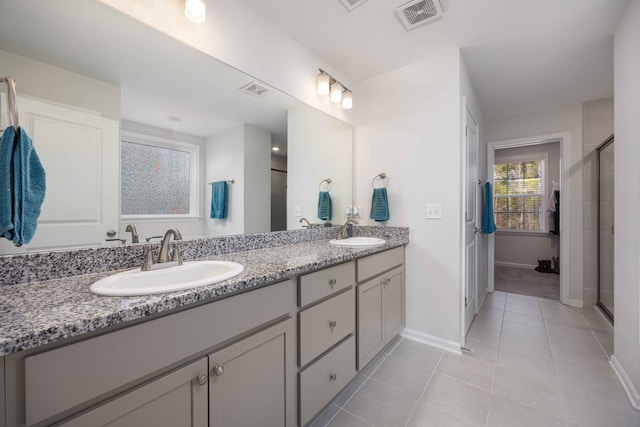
x=195, y=10
x=323, y=83
x=336, y=92
x=327, y=85
x=275, y=148
x=347, y=100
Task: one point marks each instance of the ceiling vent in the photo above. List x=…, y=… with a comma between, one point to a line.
x=352, y=4
x=254, y=88
x=419, y=12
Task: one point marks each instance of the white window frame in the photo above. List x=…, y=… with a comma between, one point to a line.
x=544, y=158
x=194, y=172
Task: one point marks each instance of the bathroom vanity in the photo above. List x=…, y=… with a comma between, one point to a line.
x=271, y=347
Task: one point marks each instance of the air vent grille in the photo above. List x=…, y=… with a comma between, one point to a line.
x=419, y=12
x=352, y=4
x=254, y=88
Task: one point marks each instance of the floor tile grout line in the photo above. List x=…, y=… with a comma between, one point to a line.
x=354, y=415
x=424, y=389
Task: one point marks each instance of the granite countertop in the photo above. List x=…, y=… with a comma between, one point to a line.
x=38, y=313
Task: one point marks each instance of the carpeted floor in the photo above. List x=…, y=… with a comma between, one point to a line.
x=527, y=282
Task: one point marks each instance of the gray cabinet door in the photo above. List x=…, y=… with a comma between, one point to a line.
x=393, y=304
x=173, y=400
x=370, y=321
x=250, y=381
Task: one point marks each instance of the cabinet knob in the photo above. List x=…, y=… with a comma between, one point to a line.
x=333, y=376
x=333, y=324
x=386, y=282
x=332, y=282
x=218, y=370
x=202, y=379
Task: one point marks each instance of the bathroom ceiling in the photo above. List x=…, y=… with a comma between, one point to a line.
x=522, y=55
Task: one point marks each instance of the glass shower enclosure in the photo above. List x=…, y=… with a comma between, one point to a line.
x=605, y=168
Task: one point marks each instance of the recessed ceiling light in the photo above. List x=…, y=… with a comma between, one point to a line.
x=274, y=148
x=195, y=10
x=174, y=119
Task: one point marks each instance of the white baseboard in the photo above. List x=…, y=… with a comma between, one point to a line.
x=414, y=335
x=603, y=316
x=575, y=303
x=484, y=296
x=632, y=392
x=514, y=265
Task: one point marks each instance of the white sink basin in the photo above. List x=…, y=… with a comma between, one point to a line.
x=186, y=276
x=358, y=241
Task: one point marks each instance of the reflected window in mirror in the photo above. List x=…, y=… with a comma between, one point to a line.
x=159, y=178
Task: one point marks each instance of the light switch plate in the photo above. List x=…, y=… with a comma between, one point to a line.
x=434, y=211
x=298, y=211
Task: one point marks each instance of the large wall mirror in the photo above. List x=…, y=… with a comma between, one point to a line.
x=133, y=126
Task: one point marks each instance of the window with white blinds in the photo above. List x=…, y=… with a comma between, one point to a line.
x=519, y=194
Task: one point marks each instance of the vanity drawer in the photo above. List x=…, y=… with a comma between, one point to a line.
x=323, y=380
x=373, y=265
x=326, y=324
x=61, y=379
x=323, y=283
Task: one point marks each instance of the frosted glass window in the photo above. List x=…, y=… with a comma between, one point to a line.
x=155, y=180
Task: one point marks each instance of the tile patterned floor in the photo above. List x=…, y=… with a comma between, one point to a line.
x=536, y=363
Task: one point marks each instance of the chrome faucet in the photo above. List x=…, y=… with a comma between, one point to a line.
x=343, y=233
x=308, y=224
x=134, y=233
x=163, y=255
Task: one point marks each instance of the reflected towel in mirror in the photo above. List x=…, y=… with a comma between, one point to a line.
x=219, y=200
x=23, y=186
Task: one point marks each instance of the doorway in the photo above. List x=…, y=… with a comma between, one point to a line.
x=562, y=185
x=526, y=184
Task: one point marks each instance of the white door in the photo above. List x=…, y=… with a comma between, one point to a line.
x=471, y=220
x=80, y=154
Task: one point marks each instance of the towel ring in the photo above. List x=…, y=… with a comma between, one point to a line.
x=328, y=181
x=382, y=177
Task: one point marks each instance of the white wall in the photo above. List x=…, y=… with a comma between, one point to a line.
x=224, y=160
x=257, y=180
x=60, y=86
x=238, y=35
x=526, y=249
x=408, y=125
x=597, y=126
x=556, y=120
x=318, y=147
x=627, y=193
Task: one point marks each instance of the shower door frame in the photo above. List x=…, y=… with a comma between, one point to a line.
x=599, y=303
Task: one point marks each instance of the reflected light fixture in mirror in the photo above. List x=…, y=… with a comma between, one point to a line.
x=195, y=10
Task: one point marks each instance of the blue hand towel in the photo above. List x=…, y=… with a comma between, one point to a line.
x=379, y=205
x=23, y=187
x=324, y=206
x=488, y=221
x=219, y=200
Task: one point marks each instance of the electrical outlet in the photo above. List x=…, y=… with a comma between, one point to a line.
x=434, y=211
x=298, y=211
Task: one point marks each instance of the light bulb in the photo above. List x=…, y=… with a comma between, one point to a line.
x=336, y=92
x=347, y=100
x=195, y=10
x=323, y=84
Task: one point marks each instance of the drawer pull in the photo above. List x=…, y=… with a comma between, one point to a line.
x=332, y=282
x=218, y=370
x=333, y=324
x=202, y=379
x=333, y=376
